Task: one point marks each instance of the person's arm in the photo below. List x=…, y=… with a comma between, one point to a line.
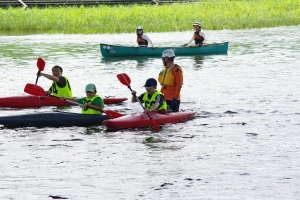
x=70, y=99
x=178, y=80
x=158, y=102
x=204, y=36
x=191, y=40
x=147, y=38
x=133, y=98
x=48, y=76
x=97, y=104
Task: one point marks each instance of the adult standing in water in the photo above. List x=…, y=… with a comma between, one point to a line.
x=199, y=36
x=60, y=85
x=142, y=38
x=171, y=80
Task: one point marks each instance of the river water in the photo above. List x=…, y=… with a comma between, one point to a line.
x=244, y=142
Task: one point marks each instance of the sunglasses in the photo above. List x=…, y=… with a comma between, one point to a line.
x=139, y=30
x=89, y=92
x=148, y=88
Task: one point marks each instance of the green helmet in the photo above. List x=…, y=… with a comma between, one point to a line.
x=139, y=28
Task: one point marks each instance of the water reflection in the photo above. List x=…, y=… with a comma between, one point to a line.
x=198, y=61
x=140, y=59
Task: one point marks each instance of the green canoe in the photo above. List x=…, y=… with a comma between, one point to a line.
x=109, y=50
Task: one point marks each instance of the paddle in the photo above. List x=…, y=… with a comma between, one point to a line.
x=125, y=80
x=41, y=66
x=38, y=91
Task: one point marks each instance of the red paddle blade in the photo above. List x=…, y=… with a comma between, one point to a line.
x=112, y=115
x=34, y=90
x=154, y=124
x=40, y=64
x=124, y=79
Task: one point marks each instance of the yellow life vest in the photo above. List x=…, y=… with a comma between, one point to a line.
x=62, y=92
x=88, y=110
x=166, y=76
x=150, y=102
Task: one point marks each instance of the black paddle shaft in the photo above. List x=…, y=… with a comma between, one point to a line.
x=140, y=103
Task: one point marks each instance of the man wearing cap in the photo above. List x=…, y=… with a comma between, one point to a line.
x=153, y=100
x=171, y=80
x=92, y=103
x=60, y=86
x=142, y=38
x=199, y=36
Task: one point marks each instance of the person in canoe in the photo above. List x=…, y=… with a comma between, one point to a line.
x=171, y=80
x=199, y=36
x=60, y=86
x=142, y=38
x=92, y=103
x=153, y=100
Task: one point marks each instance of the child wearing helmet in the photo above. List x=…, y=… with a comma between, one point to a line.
x=142, y=38
x=199, y=36
x=171, y=80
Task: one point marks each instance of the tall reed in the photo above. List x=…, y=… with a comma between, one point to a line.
x=213, y=15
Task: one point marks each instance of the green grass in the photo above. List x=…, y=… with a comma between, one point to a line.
x=213, y=15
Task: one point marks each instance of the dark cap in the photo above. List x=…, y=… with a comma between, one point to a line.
x=151, y=82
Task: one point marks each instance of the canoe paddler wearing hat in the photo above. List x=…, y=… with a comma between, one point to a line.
x=199, y=36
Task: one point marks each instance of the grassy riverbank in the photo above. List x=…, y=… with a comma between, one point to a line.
x=216, y=15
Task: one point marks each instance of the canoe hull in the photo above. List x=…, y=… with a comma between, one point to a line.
x=108, y=50
x=39, y=101
x=139, y=120
x=52, y=119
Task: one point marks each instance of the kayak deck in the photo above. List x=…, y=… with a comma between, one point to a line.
x=52, y=119
x=139, y=120
x=39, y=101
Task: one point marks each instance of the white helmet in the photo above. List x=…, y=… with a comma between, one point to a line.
x=168, y=53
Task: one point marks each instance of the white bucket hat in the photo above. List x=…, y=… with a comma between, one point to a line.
x=197, y=24
x=168, y=53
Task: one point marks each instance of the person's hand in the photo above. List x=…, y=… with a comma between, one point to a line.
x=85, y=105
x=48, y=92
x=63, y=98
x=185, y=45
x=133, y=92
x=153, y=48
x=174, y=103
x=147, y=110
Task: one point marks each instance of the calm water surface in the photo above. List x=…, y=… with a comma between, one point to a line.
x=242, y=144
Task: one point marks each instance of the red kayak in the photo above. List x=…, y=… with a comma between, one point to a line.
x=139, y=120
x=38, y=101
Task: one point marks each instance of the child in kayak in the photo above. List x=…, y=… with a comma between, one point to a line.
x=60, y=86
x=153, y=100
x=92, y=103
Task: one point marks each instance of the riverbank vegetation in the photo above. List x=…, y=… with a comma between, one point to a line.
x=213, y=15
